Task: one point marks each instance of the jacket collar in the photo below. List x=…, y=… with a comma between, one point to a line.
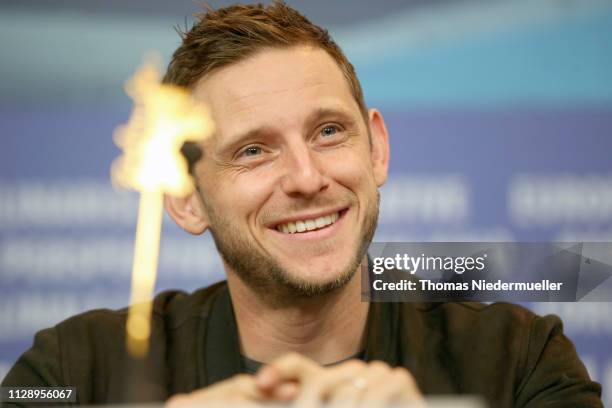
x=221, y=354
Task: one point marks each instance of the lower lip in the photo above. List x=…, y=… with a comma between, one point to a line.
x=316, y=234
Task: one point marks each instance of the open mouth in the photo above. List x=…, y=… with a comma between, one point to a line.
x=299, y=226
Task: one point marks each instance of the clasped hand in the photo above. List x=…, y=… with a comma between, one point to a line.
x=297, y=379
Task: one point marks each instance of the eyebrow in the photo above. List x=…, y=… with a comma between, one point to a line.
x=324, y=113
x=317, y=115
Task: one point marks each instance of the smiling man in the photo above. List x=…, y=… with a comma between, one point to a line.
x=288, y=187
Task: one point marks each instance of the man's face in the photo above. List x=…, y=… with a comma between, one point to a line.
x=289, y=181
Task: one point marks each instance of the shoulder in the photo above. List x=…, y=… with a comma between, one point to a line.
x=477, y=337
x=92, y=344
x=170, y=309
x=498, y=327
x=500, y=349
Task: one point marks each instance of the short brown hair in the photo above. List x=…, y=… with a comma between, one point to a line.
x=231, y=34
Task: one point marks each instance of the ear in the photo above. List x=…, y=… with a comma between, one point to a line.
x=380, y=146
x=188, y=212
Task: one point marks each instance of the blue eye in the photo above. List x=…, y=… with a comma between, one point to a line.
x=252, y=151
x=328, y=131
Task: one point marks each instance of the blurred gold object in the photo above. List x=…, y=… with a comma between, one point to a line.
x=163, y=119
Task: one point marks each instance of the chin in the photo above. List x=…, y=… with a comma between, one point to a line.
x=319, y=281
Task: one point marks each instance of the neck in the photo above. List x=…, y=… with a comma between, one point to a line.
x=325, y=328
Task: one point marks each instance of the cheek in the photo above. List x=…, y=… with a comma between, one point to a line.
x=351, y=170
x=237, y=197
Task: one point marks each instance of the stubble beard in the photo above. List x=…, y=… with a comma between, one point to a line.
x=264, y=275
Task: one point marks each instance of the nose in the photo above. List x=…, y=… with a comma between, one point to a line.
x=303, y=175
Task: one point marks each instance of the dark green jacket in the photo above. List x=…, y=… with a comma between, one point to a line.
x=501, y=351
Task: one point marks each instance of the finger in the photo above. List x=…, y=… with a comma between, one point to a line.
x=177, y=401
x=312, y=391
x=375, y=376
x=344, y=396
x=267, y=378
x=412, y=402
x=318, y=389
x=358, y=376
x=239, y=388
x=285, y=391
x=292, y=366
x=398, y=386
x=411, y=391
x=239, y=404
x=242, y=386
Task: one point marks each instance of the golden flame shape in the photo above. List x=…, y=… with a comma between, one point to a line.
x=163, y=119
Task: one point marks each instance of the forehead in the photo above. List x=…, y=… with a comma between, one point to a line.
x=278, y=85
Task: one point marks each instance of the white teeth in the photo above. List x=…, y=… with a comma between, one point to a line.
x=308, y=225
